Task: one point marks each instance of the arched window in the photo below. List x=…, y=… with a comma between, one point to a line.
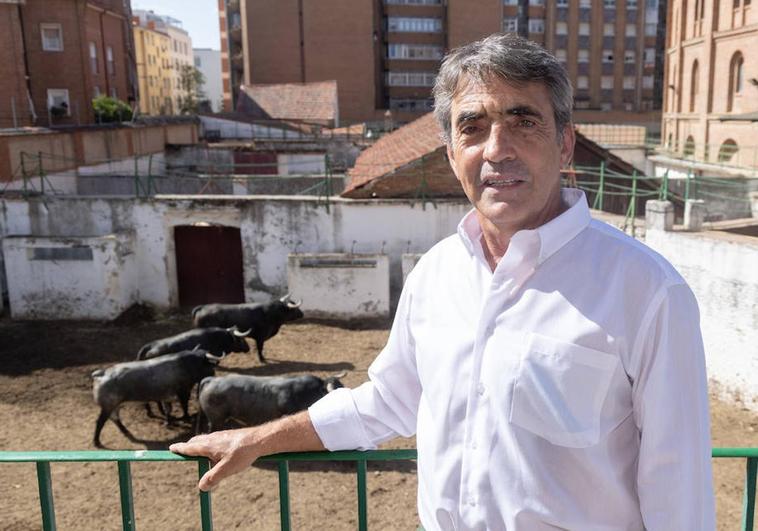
x=689, y=147
x=728, y=150
x=735, y=79
x=694, y=86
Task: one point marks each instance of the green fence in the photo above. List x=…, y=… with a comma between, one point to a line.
x=124, y=458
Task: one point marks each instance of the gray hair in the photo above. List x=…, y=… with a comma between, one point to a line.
x=513, y=59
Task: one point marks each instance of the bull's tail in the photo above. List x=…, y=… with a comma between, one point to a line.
x=142, y=354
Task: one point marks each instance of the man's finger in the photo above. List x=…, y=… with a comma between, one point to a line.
x=189, y=448
x=212, y=478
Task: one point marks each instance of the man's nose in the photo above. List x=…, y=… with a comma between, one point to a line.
x=499, y=144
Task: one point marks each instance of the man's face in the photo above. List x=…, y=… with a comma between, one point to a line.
x=506, y=153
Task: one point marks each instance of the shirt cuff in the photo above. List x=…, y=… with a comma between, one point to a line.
x=337, y=423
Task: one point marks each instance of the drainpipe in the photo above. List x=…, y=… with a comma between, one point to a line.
x=27, y=74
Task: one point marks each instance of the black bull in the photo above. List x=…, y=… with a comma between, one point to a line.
x=262, y=319
x=217, y=341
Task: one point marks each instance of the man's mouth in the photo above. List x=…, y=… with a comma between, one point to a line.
x=501, y=183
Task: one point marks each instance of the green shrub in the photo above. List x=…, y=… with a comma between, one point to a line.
x=109, y=109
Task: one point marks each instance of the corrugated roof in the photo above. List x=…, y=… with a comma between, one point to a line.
x=290, y=101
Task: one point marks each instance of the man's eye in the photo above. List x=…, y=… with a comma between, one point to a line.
x=469, y=130
x=526, y=123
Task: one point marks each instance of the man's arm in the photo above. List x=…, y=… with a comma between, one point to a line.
x=670, y=397
x=233, y=451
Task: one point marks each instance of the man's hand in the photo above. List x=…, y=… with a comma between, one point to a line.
x=229, y=451
x=232, y=451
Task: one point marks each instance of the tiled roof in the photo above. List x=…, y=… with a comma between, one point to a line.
x=310, y=102
x=396, y=150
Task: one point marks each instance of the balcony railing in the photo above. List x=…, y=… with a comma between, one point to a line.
x=124, y=458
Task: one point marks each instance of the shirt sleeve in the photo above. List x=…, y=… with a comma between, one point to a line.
x=670, y=396
x=384, y=407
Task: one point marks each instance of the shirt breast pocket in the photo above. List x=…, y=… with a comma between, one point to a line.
x=560, y=389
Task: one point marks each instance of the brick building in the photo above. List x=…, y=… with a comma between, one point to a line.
x=388, y=54
x=710, y=113
x=57, y=55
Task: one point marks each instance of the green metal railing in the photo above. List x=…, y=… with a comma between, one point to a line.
x=123, y=459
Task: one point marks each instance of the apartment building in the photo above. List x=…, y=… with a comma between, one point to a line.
x=154, y=70
x=388, y=55
x=57, y=55
x=710, y=104
x=179, y=51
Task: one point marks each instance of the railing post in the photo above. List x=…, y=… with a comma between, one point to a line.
x=687, y=184
x=362, y=502
x=284, y=495
x=127, y=495
x=664, y=191
x=40, y=172
x=23, y=170
x=748, y=504
x=599, y=197
x=46, y=495
x=206, y=516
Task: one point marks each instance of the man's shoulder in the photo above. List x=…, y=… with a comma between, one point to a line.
x=632, y=255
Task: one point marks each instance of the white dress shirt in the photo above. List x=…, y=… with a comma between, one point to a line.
x=564, y=390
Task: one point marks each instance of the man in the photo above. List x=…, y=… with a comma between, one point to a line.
x=551, y=368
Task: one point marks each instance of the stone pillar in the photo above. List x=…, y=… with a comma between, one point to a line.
x=659, y=215
x=694, y=214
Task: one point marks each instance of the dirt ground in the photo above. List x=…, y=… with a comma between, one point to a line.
x=46, y=404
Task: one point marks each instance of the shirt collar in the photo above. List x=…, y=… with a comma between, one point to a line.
x=552, y=235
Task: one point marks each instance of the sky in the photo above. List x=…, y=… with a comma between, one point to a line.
x=199, y=18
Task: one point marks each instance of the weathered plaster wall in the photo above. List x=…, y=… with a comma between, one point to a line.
x=271, y=228
x=70, y=278
x=343, y=286
x=722, y=270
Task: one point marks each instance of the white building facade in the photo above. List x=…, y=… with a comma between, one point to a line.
x=209, y=63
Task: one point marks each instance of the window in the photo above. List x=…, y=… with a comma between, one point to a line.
x=93, y=57
x=629, y=56
x=406, y=104
x=96, y=92
x=410, y=79
x=198, y=62
x=647, y=82
x=414, y=24
x=631, y=4
x=536, y=25
x=631, y=30
x=609, y=4
x=728, y=150
x=403, y=2
x=58, y=99
x=114, y=93
x=583, y=56
x=110, y=65
x=560, y=54
x=584, y=28
x=536, y=2
x=607, y=56
x=510, y=24
x=649, y=57
x=582, y=82
x=689, y=146
x=510, y=2
x=52, y=37
x=414, y=51
x=629, y=82
x=651, y=29
x=561, y=3
x=585, y=3
x=561, y=28
x=606, y=82
x=609, y=29
x=694, y=86
x=735, y=79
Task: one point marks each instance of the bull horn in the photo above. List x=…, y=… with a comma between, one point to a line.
x=213, y=358
x=286, y=298
x=294, y=304
x=241, y=334
x=340, y=374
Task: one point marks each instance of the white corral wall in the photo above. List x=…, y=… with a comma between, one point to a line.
x=72, y=278
x=722, y=271
x=271, y=228
x=341, y=286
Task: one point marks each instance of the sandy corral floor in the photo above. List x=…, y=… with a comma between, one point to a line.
x=46, y=404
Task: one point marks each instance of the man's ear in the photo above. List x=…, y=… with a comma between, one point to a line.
x=568, y=141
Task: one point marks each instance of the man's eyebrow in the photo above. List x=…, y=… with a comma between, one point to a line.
x=523, y=110
x=467, y=116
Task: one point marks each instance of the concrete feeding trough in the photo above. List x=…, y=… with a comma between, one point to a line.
x=340, y=286
x=409, y=261
x=70, y=277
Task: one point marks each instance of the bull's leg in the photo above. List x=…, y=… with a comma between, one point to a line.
x=184, y=397
x=115, y=418
x=259, y=346
x=99, y=427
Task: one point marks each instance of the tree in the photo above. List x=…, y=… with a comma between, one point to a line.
x=109, y=109
x=190, y=81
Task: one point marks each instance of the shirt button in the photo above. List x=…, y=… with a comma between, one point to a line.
x=473, y=445
x=480, y=389
x=472, y=502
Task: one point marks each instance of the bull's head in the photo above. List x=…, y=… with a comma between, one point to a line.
x=289, y=302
